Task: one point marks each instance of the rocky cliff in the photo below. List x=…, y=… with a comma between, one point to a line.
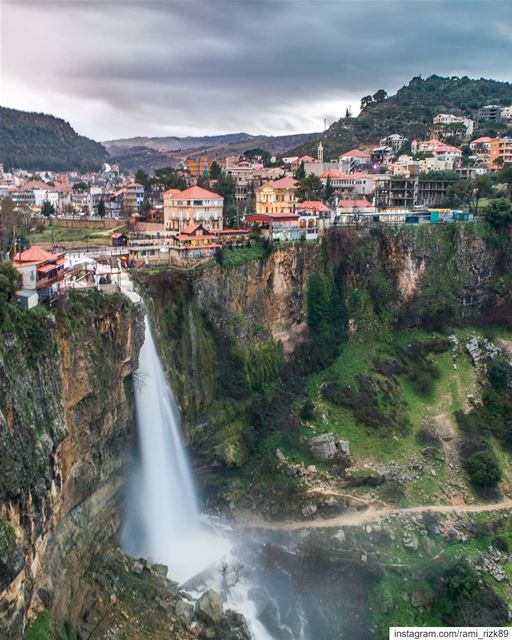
x=454, y=269
x=65, y=428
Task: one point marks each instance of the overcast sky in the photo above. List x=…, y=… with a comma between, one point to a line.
x=122, y=68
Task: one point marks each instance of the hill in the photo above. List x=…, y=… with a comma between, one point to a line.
x=153, y=153
x=176, y=143
x=410, y=112
x=40, y=141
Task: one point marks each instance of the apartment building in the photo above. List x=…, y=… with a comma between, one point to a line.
x=192, y=206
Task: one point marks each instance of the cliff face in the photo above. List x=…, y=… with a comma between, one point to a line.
x=66, y=414
x=418, y=261
x=199, y=316
x=202, y=316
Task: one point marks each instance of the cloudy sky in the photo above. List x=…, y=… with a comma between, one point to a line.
x=119, y=68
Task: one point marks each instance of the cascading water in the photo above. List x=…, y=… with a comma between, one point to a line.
x=163, y=521
x=162, y=518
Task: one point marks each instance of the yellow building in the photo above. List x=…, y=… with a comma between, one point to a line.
x=192, y=206
x=198, y=166
x=276, y=197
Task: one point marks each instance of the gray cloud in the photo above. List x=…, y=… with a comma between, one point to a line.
x=121, y=68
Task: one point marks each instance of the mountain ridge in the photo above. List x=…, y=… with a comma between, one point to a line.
x=40, y=141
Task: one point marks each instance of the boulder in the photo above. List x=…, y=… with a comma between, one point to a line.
x=325, y=447
x=210, y=607
x=185, y=611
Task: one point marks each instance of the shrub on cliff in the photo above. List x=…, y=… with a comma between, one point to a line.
x=483, y=468
x=499, y=214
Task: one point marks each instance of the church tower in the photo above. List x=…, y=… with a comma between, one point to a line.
x=320, y=154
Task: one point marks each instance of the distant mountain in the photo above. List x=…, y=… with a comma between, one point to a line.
x=174, y=143
x=153, y=153
x=39, y=141
x=410, y=112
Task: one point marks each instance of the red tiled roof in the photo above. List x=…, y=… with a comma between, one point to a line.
x=35, y=255
x=331, y=173
x=34, y=184
x=192, y=227
x=282, y=183
x=350, y=204
x=313, y=205
x=172, y=192
x=482, y=140
x=49, y=267
x=198, y=193
x=306, y=158
x=355, y=153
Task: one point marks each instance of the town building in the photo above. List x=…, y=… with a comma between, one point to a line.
x=451, y=119
x=506, y=113
x=42, y=274
x=276, y=197
x=192, y=206
x=353, y=161
x=395, y=141
x=350, y=185
x=500, y=152
x=481, y=146
x=436, y=148
x=315, y=217
x=275, y=226
x=491, y=112
x=199, y=166
x=127, y=200
x=392, y=192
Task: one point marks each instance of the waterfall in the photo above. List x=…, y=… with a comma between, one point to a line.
x=163, y=519
x=163, y=522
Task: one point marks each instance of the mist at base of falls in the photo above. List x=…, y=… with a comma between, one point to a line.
x=163, y=522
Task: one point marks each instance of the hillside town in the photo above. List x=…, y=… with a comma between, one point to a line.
x=65, y=229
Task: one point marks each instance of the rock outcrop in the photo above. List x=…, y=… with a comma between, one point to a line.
x=65, y=428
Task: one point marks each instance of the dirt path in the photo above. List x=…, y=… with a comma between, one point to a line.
x=359, y=518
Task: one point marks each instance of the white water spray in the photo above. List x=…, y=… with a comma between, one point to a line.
x=163, y=521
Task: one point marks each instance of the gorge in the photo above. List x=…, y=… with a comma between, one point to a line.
x=384, y=339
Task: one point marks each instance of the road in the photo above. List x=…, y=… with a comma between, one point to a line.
x=358, y=518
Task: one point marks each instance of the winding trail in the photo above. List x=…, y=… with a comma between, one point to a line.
x=359, y=518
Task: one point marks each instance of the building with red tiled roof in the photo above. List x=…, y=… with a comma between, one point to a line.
x=481, y=146
x=42, y=273
x=312, y=205
x=355, y=153
x=192, y=206
x=277, y=196
x=362, y=203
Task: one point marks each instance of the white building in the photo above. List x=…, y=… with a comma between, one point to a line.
x=449, y=118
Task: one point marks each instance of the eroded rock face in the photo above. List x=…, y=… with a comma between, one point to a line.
x=68, y=402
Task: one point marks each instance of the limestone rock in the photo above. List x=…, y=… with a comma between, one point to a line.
x=210, y=607
x=325, y=447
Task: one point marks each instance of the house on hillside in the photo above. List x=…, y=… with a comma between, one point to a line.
x=194, y=242
x=353, y=161
x=276, y=197
x=275, y=226
x=42, y=274
x=192, y=206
